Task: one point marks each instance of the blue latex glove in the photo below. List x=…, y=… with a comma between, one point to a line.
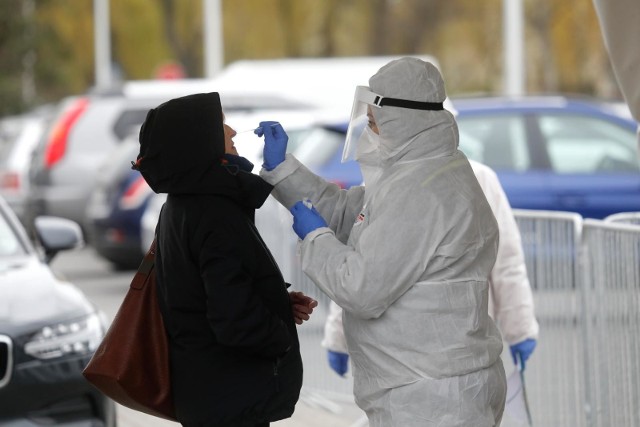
x=339, y=362
x=275, y=144
x=305, y=219
x=523, y=350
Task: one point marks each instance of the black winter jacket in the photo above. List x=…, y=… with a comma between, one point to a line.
x=235, y=355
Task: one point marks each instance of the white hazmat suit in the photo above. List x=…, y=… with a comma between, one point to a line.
x=412, y=277
x=510, y=296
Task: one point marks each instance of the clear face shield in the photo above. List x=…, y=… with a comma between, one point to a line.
x=358, y=123
x=364, y=100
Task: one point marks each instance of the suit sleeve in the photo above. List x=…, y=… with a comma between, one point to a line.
x=294, y=182
x=511, y=295
x=334, y=338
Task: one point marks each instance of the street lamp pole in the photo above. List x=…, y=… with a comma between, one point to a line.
x=513, y=27
x=102, y=44
x=213, y=37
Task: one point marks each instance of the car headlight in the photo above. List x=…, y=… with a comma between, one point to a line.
x=77, y=336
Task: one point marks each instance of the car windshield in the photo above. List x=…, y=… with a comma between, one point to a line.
x=10, y=244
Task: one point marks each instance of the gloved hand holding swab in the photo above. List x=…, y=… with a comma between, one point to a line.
x=275, y=143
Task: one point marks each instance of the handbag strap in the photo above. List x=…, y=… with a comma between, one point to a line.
x=145, y=268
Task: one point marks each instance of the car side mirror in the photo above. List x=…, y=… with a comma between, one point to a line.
x=57, y=234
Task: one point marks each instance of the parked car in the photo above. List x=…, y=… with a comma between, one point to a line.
x=48, y=331
x=19, y=136
x=86, y=128
x=120, y=195
x=327, y=83
x=555, y=153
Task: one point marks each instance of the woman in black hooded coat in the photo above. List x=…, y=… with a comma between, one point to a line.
x=231, y=323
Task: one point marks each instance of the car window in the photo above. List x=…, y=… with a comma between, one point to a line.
x=318, y=146
x=499, y=141
x=297, y=137
x=129, y=121
x=9, y=243
x=578, y=144
x=10, y=129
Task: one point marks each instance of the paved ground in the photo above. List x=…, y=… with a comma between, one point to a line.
x=310, y=412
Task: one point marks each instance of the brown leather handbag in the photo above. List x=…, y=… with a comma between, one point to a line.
x=131, y=365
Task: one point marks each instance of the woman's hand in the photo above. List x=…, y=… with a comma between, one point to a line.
x=302, y=306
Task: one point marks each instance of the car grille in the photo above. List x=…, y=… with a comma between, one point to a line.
x=6, y=360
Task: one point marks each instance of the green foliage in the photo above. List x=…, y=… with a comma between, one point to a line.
x=563, y=53
x=64, y=47
x=12, y=50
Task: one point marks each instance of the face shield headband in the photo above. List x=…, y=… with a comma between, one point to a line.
x=364, y=99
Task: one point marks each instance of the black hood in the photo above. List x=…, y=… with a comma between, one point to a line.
x=182, y=152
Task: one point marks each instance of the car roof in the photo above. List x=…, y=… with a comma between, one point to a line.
x=154, y=92
x=323, y=82
x=542, y=102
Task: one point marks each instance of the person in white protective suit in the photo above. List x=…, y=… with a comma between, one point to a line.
x=409, y=260
x=510, y=296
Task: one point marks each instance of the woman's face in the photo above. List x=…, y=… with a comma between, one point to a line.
x=229, y=133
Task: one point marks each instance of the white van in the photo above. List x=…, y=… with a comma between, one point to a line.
x=323, y=82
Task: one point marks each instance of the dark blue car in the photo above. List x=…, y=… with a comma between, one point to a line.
x=550, y=152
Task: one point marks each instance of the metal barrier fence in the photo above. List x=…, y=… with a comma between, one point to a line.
x=585, y=277
x=320, y=383
x=611, y=281
x=624, y=218
x=554, y=376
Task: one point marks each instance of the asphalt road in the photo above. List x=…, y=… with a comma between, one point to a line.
x=106, y=287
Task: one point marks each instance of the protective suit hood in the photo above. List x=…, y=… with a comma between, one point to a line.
x=182, y=152
x=407, y=134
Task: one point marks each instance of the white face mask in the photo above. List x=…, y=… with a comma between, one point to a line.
x=367, y=150
x=368, y=157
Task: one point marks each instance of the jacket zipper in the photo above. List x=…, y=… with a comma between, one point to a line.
x=275, y=373
x=264, y=246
